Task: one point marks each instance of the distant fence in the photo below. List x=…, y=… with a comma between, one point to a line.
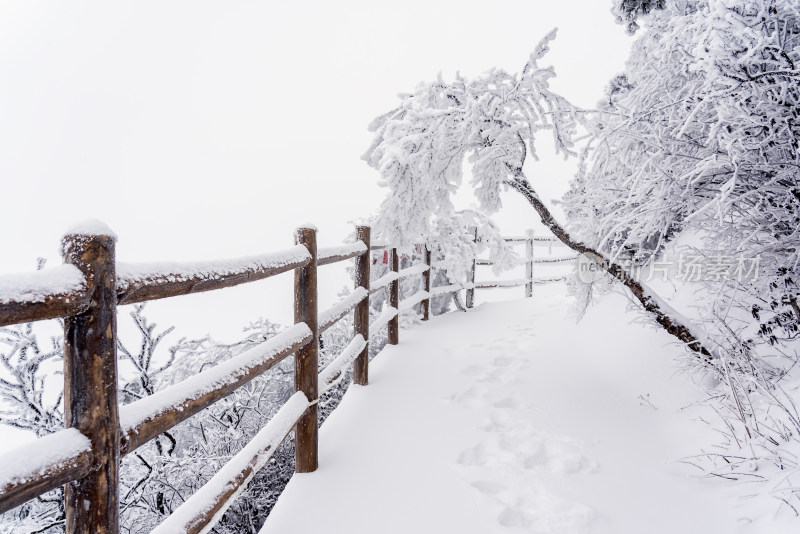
x=530, y=241
x=86, y=291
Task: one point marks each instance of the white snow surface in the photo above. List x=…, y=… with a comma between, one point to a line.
x=30, y=461
x=36, y=286
x=254, y=455
x=90, y=227
x=131, y=273
x=133, y=414
x=512, y=418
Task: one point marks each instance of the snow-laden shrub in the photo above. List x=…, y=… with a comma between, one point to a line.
x=156, y=478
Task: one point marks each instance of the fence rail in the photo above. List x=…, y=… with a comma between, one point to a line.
x=529, y=260
x=86, y=291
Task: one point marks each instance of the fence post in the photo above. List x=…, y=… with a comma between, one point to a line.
x=361, y=312
x=394, y=298
x=306, y=359
x=90, y=386
x=426, y=279
x=529, y=264
x=471, y=273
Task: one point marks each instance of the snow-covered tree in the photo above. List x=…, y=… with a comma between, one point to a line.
x=701, y=134
x=420, y=146
x=27, y=366
x=627, y=12
x=698, y=139
x=493, y=120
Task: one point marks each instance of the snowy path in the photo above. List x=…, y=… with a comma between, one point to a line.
x=514, y=419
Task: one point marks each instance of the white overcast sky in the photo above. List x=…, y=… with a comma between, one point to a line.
x=200, y=129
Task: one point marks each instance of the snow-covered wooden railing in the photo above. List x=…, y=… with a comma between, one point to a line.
x=530, y=241
x=48, y=294
x=336, y=254
x=146, y=418
x=140, y=282
x=86, y=291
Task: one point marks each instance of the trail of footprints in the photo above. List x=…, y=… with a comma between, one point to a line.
x=509, y=463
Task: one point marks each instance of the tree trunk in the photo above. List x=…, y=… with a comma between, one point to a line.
x=658, y=310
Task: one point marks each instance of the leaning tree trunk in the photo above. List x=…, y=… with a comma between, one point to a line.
x=658, y=310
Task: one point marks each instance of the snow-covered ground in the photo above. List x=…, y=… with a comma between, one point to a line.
x=513, y=418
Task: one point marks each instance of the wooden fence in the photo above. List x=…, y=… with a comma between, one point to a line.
x=85, y=456
x=530, y=241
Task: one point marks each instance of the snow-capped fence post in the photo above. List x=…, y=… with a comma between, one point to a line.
x=306, y=359
x=426, y=280
x=393, y=329
x=90, y=386
x=529, y=264
x=471, y=274
x=361, y=311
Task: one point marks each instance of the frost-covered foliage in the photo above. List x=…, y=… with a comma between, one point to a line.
x=627, y=12
x=159, y=476
x=27, y=366
x=701, y=134
x=701, y=131
x=461, y=238
x=699, y=140
x=28, y=401
x=492, y=119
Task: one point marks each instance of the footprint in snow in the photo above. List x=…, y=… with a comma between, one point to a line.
x=504, y=361
x=507, y=465
x=513, y=403
x=479, y=455
x=474, y=397
x=542, y=512
x=491, y=487
x=473, y=370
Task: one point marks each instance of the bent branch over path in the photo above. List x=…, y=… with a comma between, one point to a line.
x=658, y=309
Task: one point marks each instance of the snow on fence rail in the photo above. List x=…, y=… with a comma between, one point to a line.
x=140, y=282
x=443, y=290
x=86, y=291
x=48, y=462
x=389, y=313
x=209, y=503
x=48, y=294
x=336, y=369
x=333, y=314
x=146, y=418
x=383, y=281
x=330, y=255
x=529, y=260
x=414, y=269
x=413, y=300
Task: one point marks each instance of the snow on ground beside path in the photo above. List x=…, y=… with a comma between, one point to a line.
x=513, y=419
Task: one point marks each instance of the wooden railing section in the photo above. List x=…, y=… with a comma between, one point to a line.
x=85, y=456
x=529, y=241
